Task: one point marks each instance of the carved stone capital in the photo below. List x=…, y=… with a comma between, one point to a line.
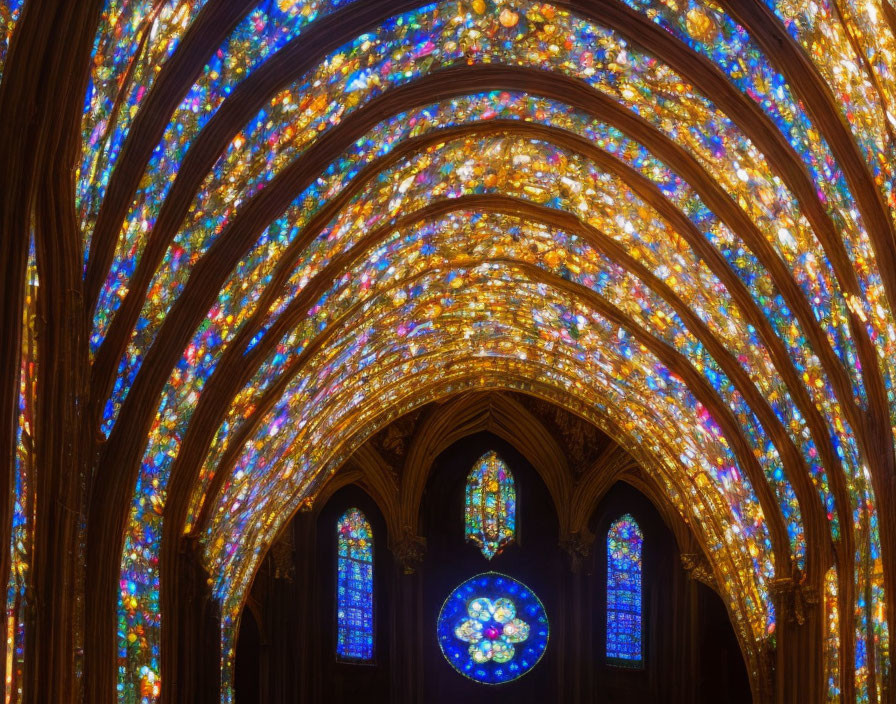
x=409, y=550
x=393, y=441
x=306, y=505
x=282, y=555
x=578, y=546
x=695, y=564
x=794, y=596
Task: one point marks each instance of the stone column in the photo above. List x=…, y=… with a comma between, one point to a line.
x=686, y=622
x=800, y=641
x=573, y=632
x=199, y=630
x=306, y=673
x=687, y=625
x=406, y=623
x=283, y=625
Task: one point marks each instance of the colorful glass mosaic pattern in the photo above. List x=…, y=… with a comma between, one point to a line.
x=22, y=548
x=624, y=597
x=832, y=636
x=354, y=587
x=757, y=217
x=492, y=628
x=490, y=505
x=9, y=14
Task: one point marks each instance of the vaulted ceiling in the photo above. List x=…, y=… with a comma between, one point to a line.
x=246, y=235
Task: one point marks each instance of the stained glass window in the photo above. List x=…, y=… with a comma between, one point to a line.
x=624, y=617
x=492, y=628
x=490, y=505
x=354, y=608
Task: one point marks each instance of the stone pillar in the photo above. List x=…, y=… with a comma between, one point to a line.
x=574, y=623
x=687, y=625
x=686, y=622
x=673, y=627
x=799, y=661
x=406, y=622
x=307, y=636
x=282, y=626
x=199, y=630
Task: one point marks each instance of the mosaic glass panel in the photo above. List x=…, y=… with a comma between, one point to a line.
x=490, y=505
x=624, y=602
x=354, y=607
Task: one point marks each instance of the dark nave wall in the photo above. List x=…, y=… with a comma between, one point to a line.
x=534, y=559
x=691, y=655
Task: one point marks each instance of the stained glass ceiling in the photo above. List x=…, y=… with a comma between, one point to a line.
x=303, y=219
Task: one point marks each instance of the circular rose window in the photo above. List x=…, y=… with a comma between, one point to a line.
x=492, y=628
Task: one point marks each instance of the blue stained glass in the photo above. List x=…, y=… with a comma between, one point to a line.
x=492, y=628
x=354, y=608
x=624, y=616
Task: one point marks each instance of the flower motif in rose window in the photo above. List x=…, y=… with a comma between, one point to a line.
x=492, y=630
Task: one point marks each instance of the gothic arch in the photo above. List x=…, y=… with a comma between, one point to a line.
x=467, y=415
x=730, y=307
